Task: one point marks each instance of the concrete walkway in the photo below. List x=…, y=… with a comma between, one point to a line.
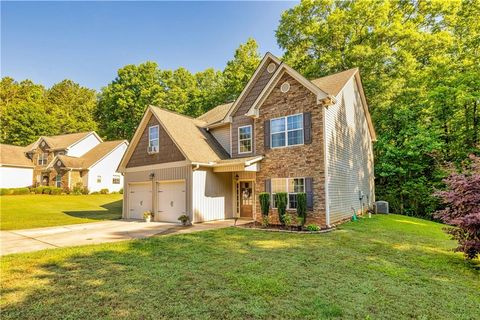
x=16, y=241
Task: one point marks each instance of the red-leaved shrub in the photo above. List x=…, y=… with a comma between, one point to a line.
x=462, y=208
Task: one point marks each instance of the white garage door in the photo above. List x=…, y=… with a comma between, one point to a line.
x=171, y=200
x=139, y=199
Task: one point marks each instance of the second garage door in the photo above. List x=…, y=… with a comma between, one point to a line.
x=171, y=200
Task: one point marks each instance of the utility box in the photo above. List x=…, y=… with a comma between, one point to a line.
x=381, y=207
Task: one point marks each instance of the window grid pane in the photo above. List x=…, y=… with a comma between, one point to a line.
x=278, y=140
x=277, y=125
x=295, y=137
x=295, y=122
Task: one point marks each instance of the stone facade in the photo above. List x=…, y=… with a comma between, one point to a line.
x=39, y=170
x=239, y=119
x=295, y=161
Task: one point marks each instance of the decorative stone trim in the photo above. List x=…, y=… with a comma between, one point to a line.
x=285, y=87
x=271, y=67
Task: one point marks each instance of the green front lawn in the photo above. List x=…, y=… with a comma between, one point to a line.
x=35, y=211
x=387, y=267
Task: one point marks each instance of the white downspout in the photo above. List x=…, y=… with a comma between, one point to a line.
x=325, y=161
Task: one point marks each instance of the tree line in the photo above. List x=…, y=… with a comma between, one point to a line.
x=419, y=62
x=29, y=110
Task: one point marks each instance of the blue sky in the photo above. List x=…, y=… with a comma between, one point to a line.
x=88, y=42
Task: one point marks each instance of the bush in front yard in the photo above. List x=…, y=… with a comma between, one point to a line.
x=264, y=202
x=104, y=191
x=462, y=208
x=21, y=191
x=120, y=191
x=281, y=201
x=5, y=191
x=47, y=190
x=302, y=207
x=56, y=191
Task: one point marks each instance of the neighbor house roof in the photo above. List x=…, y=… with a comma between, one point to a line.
x=14, y=156
x=334, y=83
x=191, y=138
x=91, y=157
x=61, y=141
x=216, y=114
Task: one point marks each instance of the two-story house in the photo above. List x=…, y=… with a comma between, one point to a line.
x=284, y=133
x=64, y=161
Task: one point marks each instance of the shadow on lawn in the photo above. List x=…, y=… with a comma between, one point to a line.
x=113, y=210
x=229, y=273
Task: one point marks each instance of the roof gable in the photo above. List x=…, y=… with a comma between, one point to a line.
x=14, y=156
x=62, y=142
x=188, y=134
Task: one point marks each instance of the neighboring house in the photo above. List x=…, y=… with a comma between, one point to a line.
x=16, y=170
x=284, y=133
x=68, y=160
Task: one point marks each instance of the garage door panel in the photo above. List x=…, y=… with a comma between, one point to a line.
x=140, y=199
x=171, y=200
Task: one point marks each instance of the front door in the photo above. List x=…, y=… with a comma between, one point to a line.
x=246, y=199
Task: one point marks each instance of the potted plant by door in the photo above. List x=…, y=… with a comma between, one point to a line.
x=184, y=219
x=147, y=215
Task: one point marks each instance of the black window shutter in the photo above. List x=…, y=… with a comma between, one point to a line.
x=309, y=192
x=266, y=130
x=307, y=127
x=268, y=186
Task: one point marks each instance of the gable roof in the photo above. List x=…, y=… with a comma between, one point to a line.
x=91, y=157
x=268, y=57
x=64, y=141
x=189, y=134
x=216, y=114
x=14, y=156
x=334, y=83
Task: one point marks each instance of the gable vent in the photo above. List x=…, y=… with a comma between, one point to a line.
x=285, y=87
x=271, y=67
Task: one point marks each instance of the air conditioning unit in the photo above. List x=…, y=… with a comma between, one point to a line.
x=153, y=149
x=381, y=207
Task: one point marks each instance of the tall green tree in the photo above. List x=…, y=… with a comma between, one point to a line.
x=240, y=69
x=72, y=106
x=122, y=102
x=22, y=112
x=419, y=66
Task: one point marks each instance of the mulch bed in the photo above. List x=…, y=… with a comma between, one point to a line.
x=280, y=228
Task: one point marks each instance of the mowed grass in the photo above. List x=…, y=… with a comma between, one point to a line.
x=387, y=267
x=35, y=211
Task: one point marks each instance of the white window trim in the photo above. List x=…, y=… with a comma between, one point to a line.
x=116, y=176
x=251, y=139
x=58, y=183
x=158, y=139
x=288, y=193
x=42, y=160
x=286, y=131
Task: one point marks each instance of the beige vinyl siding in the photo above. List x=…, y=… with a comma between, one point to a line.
x=212, y=195
x=163, y=174
x=222, y=135
x=349, y=154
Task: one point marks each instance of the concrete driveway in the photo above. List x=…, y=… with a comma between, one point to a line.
x=28, y=240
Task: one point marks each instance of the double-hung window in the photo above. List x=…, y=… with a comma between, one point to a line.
x=292, y=186
x=42, y=159
x=58, y=180
x=153, y=139
x=286, y=131
x=116, y=179
x=245, y=139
